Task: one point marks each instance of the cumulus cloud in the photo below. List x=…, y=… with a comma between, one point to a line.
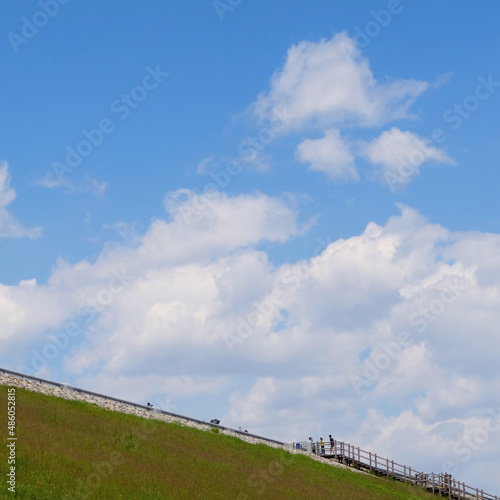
x=330, y=155
x=201, y=230
x=330, y=83
x=200, y=315
x=214, y=222
x=10, y=227
x=399, y=155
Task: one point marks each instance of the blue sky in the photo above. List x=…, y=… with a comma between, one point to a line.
x=369, y=198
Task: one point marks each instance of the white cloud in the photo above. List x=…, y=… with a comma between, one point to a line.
x=202, y=230
x=198, y=278
x=86, y=185
x=215, y=222
x=94, y=187
x=9, y=225
x=50, y=181
x=330, y=83
x=126, y=230
x=330, y=155
x=399, y=156
x=7, y=194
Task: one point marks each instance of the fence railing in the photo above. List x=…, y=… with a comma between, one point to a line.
x=439, y=483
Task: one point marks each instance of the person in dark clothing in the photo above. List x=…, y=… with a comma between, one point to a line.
x=332, y=443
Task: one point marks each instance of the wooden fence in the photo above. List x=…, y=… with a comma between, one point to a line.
x=438, y=483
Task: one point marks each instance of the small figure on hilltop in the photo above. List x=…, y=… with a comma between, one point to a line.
x=322, y=445
x=310, y=446
x=332, y=444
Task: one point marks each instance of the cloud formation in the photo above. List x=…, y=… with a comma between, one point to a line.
x=372, y=332
x=330, y=83
x=86, y=185
x=10, y=227
x=398, y=156
x=330, y=155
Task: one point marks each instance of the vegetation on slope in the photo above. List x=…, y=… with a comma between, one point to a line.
x=75, y=450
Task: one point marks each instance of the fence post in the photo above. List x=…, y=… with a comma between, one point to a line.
x=387, y=467
x=404, y=472
x=375, y=462
x=370, y=457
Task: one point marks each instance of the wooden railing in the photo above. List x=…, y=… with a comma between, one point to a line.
x=438, y=483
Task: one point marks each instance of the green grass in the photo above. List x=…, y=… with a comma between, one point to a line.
x=75, y=450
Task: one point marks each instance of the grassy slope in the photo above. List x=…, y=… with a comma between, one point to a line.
x=68, y=449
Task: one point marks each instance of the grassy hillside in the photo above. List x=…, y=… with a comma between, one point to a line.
x=74, y=450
